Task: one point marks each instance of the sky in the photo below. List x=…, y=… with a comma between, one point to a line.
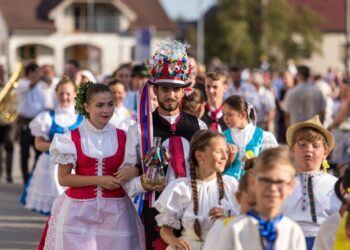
x=188, y=10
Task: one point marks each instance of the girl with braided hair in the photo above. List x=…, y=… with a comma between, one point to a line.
x=194, y=203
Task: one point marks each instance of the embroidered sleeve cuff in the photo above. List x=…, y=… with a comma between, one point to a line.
x=168, y=220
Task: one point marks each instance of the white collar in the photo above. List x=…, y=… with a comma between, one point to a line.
x=87, y=124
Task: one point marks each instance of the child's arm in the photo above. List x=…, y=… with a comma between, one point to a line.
x=41, y=144
x=167, y=235
x=67, y=179
x=216, y=212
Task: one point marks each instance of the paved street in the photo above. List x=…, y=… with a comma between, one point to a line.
x=19, y=227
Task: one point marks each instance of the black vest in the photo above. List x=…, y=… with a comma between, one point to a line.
x=186, y=127
x=207, y=119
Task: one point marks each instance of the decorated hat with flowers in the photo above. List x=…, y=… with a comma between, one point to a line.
x=170, y=65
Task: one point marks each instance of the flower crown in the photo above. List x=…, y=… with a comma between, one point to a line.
x=170, y=63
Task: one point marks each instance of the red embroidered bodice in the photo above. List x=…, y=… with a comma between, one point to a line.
x=88, y=166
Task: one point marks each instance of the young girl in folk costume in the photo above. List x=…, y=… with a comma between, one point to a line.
x=194, y=203
x=239, y=117
x=264, y=227
x=43, y=187
x=122, y=118
x=245, y=196
x=332, y=230
x=193, y=102
x=94, y=212
x=313, y=199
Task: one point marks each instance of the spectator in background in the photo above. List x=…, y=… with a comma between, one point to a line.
x=288, y=83
x=139, y=75
x=31, y=101
x=71, y=69
x=305, y=100
x=267, y=111
x=236, y=86
x=194, y=103
x=6, y=138
x=123, y=74
x=327, y=94
x=50, y=81
x=84, y=76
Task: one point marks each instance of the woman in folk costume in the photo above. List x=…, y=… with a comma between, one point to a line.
x=332, y=230
x=94, y=212
x=195, y=203
x=313, y=199
x=239, y=117
x=43, y=187
x=265, y=227
x=171, y=69
x=122, y=118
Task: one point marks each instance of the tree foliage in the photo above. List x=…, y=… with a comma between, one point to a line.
x=241, y=31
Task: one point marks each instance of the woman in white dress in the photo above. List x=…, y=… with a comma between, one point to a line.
x=94, y=212
x=122, y=118
x=43, y=187
x=195, y=203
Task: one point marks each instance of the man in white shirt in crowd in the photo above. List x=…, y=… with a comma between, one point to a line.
x=31, y=101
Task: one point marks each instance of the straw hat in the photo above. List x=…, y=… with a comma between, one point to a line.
x=315, y=123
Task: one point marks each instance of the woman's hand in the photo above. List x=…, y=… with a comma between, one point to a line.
x=126, y=173
x=108, y=182
x=216, y=213
x=180, y=244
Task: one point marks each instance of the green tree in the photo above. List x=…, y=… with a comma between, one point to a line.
x=241, y=31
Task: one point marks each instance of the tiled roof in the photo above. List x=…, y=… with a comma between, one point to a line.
x=18, y=15
x=33, y=14
x=332, y=11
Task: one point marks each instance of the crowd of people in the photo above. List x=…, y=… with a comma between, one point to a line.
x=258, y=160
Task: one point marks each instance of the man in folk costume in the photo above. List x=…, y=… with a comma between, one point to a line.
x=170, y=69
x=215, y=86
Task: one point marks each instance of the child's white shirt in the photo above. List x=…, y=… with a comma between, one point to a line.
x=326, y=201
x=243, y=233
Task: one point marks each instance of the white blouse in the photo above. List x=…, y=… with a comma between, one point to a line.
x=96, y=143
x=122, y=118
x=40, y=126
x=243, y=233
x=175, y=204
x=328, y=232
x=297, y=205
x=242, y=137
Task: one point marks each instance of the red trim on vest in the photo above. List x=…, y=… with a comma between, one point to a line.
x=87, y=166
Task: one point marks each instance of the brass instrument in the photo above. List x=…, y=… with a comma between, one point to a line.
x=8, y=99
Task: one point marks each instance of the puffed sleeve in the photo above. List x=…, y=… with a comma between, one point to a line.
x=40, y=126
x=172, y=202
x=269, y=141
x=229, y=202
x=63, y=150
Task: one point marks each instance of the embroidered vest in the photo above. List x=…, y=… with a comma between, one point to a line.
x=88, y=166
x=254, y=145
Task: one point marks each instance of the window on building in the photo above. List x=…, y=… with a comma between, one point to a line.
x=100, y=18
x=27, y=52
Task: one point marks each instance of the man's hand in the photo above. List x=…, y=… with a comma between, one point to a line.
x=148, y=187
x=126, y=173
